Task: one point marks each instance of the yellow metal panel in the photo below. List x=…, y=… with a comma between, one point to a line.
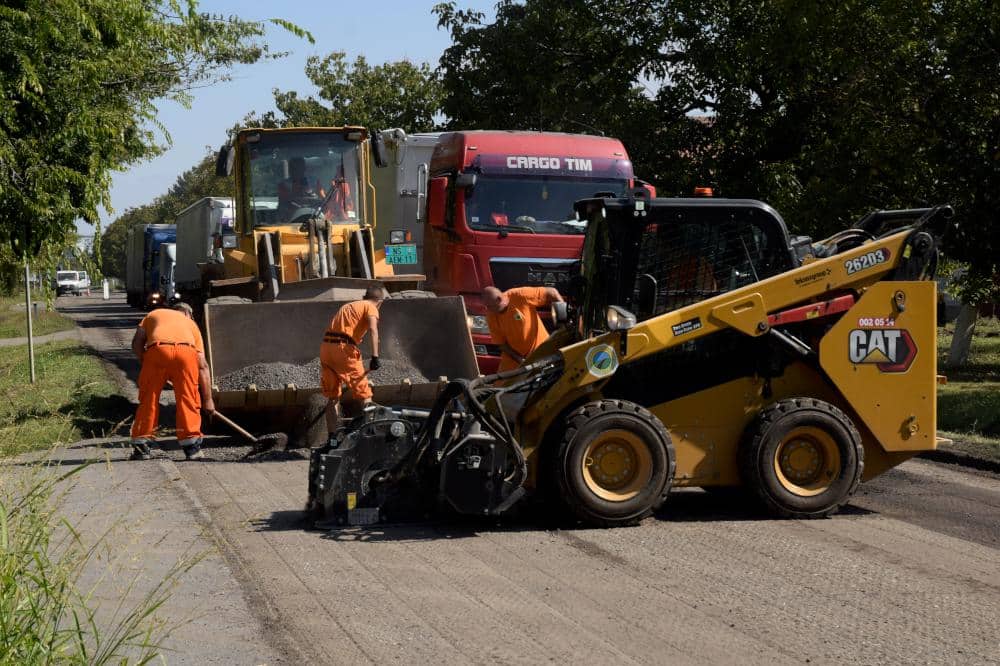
x=884, y=362
x=745, y=314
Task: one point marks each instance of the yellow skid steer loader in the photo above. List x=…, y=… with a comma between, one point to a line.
x=703, y=346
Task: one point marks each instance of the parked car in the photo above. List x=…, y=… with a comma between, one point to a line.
x=72, y=282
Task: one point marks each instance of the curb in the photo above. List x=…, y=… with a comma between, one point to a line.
x=963, y=459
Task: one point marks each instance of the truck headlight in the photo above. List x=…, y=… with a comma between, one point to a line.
x=478, y=324
x=619, y=319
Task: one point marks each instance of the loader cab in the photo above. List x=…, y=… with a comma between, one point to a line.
x=651, y=256
x=285, y=176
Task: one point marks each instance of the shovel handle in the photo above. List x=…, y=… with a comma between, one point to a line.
x=232, y=424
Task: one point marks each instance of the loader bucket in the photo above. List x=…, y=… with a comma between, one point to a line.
x=431, y=334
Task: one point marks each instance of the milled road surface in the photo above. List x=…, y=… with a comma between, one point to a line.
x=908, y=572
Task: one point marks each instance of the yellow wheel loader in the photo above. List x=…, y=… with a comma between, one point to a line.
x=703, y=346
x=300, y=247
x=304, y=217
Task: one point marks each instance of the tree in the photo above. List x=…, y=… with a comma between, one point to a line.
x=79, y=80
x=826, y=111
x=394, y=94
x=197, y=182
x=556, y=66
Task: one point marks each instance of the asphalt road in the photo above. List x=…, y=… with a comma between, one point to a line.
x=908, y=572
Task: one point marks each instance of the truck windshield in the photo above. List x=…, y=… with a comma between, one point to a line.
x=287, y=175
x=67, y=276
x=539, y=205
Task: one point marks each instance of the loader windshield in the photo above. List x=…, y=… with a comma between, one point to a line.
x=537, y=205
x=680, y=254
x=287, y=176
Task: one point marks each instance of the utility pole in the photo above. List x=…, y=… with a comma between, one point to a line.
x=27, y=310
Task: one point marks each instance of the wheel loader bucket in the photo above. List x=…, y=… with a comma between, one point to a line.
x=430, y=334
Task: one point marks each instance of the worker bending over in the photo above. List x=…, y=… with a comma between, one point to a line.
x=340, y=356
x=168, y=345
x=514, y=321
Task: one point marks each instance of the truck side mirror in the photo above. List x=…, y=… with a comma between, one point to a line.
x=437, y=195
x=379, y=152
x=224, y=161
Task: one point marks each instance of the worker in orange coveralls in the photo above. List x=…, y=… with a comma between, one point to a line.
x=340, y=358
x=514, y=321
x=168, y=344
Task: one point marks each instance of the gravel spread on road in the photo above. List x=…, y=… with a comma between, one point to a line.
x=277, y=375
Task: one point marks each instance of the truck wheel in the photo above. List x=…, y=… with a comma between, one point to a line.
x=413, y=293
x=802, y=458
x=614, y=464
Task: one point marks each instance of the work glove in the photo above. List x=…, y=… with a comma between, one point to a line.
x=374, y=364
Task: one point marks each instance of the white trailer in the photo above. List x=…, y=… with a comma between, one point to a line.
x=401, y=190
x=135, y=248
x=198, y=227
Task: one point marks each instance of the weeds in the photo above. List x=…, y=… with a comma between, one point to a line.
x=45, y=616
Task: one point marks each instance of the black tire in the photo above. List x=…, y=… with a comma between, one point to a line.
x=413, y=293
x=589, y=497
x=831, y=460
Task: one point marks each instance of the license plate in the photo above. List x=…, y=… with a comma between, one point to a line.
x=404, y=253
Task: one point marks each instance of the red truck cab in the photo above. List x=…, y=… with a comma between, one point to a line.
x=500, y=213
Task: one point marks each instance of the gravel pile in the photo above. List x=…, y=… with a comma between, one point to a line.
x=271, y=376
x=276, y=375
x=394, y=371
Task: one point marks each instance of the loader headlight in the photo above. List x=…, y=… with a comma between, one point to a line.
x=619, y=319
x=478, y=324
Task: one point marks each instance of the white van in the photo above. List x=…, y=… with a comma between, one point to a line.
x=72, y=282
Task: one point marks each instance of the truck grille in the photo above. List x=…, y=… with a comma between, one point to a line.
x=510, y=272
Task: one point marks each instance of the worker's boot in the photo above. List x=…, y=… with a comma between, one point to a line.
x=193, y=451
x=140, y=450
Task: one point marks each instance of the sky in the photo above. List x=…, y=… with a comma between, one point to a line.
x=380, y=30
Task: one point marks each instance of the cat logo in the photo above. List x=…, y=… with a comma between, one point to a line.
x=888, y=349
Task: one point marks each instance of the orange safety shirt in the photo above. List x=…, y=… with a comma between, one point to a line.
x=519, y=326
x=352, y=319
x=165, y=325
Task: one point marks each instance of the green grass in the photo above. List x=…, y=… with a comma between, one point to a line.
x=984, y=354
x=46, y=615
x=14, y=322
x=969, y=404
x=73, y=398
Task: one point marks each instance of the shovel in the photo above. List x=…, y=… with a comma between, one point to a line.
x=277, y=440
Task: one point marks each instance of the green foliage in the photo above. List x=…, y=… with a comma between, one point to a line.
x=197, y=182
x=825, y=111
x=394, y=94
x=78, y=80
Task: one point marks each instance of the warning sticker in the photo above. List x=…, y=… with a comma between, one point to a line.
x=686, y=327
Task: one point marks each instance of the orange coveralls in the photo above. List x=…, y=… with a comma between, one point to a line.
x=339, y=355
x=519, y=326
x=173, y=342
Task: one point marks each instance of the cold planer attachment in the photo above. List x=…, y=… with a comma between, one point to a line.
x=395, y=464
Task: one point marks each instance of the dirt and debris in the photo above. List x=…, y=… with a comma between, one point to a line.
x=277, y=375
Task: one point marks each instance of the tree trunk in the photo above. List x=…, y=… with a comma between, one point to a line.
x=965, y=325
